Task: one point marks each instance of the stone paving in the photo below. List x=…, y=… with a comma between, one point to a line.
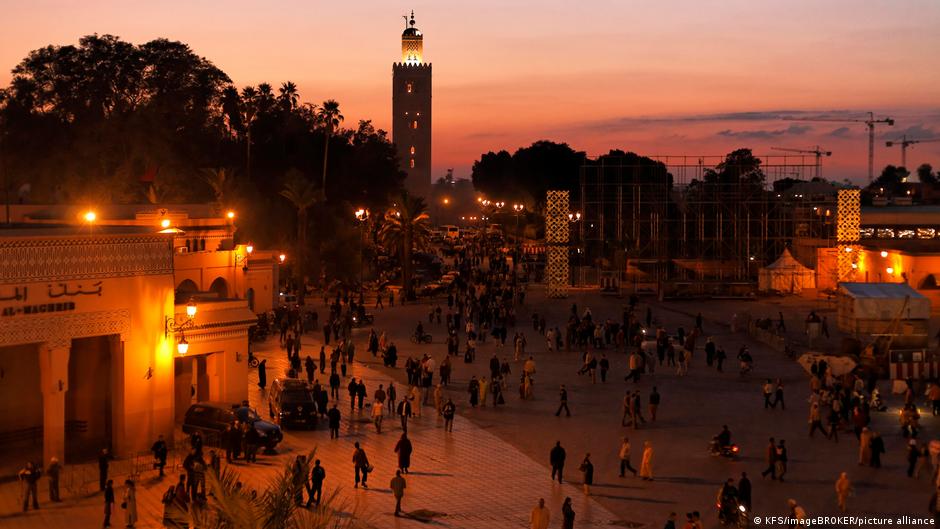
x=493, y=467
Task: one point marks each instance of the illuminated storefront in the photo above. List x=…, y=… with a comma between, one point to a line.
x=108, y=330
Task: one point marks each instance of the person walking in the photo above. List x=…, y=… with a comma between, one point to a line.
x=567, y=515
x=605, y=367
x=768, y=390
x=563, y=399
x=587, y=472
x=315, y=486
x=780, y=460
x=864, y=447
x=744, y=491
x=159, y=451
x=815, y=420
x=333, y=418
x=624, y=455
x=52, y=472
x=263, y=374
x=104, y=459
x=29, y=476
x=449, y=410
x=770, y=458
x=646, y=465
x=108, y=502
x=654, y=403
x=404, y=449
x=778, y=396
x=398, y=485
x=130, y=503
x=843, y=489
x=378, y=412
x=392, y=394
x=540, y=517
x=556, y=457
x=404, y=411
x=361, y=466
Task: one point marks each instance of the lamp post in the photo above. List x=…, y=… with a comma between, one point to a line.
x=239, y=258
x=362, y=215
x=171, y=325
x=575, y=217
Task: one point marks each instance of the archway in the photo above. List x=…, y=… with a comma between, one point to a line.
x=185, y=289
x=220, y=287
x=929, y=283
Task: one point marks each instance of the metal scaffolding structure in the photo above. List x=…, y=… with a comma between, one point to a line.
x=678, y=220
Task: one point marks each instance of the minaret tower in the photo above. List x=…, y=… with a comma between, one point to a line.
x=411, y=110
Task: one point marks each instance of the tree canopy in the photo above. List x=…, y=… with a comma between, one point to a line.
x=529, y=172
x=110, y=121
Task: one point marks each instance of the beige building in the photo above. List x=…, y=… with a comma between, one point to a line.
x=97, y=348
x=411, y=111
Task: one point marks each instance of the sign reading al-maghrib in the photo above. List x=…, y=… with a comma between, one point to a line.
x=21, y=294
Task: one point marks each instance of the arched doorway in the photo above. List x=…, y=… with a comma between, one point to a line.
x=251, y=299
x=929, y=283
x=185, y=289
x=220, y=287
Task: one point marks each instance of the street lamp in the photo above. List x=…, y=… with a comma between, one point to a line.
x=282, y=258
x=230, y=215
x=362, y=214
x=170, y=324
x=90, y=216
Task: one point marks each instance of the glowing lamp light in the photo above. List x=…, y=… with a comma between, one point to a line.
x=90, y=216
x=183, y=346
x=446, y=201
x=884, y=253
x=230, y=214
x=249, y=249
x=854, y=266
x=282, y=258
x=848, y=249
x=191, y=310
x=889, y=270
x=165, y=223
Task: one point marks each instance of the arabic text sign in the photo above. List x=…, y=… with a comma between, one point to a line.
x=52, y=291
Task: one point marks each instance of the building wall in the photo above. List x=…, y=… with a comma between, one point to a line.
x=411, y=106
x=84, y=337
x=913, y=269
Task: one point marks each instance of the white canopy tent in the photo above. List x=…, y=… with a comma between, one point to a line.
x=786, y=274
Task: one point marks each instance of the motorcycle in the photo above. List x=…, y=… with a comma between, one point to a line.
x=424, y=338
x=252, y=359
x=730, y=451
x=876, y=403
x=735, y=515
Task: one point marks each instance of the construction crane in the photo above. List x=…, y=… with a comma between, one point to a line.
x=905, y=143
x=870, y=123
x=819, y=154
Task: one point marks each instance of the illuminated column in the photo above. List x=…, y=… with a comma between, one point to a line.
x=54, y=379
x=847, y=232
x=556, y=237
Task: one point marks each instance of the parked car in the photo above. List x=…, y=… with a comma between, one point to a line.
x=290, y=403
x=211, y=418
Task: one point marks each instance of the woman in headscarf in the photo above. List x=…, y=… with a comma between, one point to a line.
x=646, y=464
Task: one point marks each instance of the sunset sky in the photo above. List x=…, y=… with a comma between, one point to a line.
x=693, y=77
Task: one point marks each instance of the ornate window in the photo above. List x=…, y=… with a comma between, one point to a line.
x=409, y=88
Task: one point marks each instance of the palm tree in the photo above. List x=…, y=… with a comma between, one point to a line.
x=330, y=118
x=288, y=95
x=221, y=181
x=232, y=506
x=406, y=227
x=302, y=194
x=249, y=111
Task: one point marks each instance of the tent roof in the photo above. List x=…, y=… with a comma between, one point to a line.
x=786, y=260
x=880, y=290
